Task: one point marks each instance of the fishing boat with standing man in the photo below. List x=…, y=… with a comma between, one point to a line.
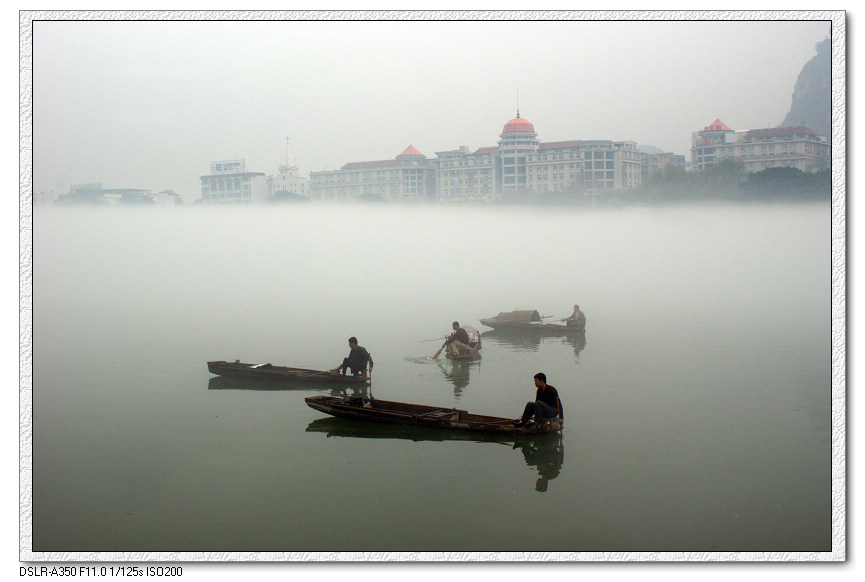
x=529, y=320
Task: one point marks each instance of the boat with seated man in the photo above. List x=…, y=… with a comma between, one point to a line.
x=527, y=320
x=474, y=346
x=389, y=412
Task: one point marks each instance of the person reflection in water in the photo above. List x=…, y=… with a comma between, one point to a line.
x=546, y=456
x=578, y=342
x=458, y=375
x=356, y=361
x=547, y=405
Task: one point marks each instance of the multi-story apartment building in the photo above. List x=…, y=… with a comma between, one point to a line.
x=230, y=183
x=653, y=163
x=759, y=149
x=465, y=176
x=522, y=164
x=519, y=165
x=410, y=177
x=95, y=194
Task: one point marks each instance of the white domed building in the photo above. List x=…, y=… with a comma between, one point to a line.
x=519, y=166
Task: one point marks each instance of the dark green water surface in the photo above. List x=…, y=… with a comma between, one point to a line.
x=698, y=403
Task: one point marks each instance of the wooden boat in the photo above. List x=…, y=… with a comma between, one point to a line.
x=238, y=369
x=527, y=320
x=388, y=412
x=473, y=352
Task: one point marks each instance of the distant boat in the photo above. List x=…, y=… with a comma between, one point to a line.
x=238, y=369
x=388, y=412
x=527, y=320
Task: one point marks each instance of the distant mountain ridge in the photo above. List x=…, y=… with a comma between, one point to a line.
x=812, y=95
x=649, y=149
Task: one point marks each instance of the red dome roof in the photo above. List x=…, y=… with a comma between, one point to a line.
x=519, y=125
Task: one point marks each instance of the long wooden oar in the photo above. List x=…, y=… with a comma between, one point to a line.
x=441, y=348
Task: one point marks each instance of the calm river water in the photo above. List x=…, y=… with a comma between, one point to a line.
x=698, y=405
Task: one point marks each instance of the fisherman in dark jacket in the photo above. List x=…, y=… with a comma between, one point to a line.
x=547, y=405
x=356, y=360
x=458, y=341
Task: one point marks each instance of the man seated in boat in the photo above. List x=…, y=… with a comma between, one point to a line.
x=356, y=360
x=577, y=319
x=547, y=405
x=458, y=341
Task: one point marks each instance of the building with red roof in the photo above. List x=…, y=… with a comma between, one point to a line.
x=518, y=125
x=521, y=165
x=409, y=177
x=760, y=149
x=518, y=166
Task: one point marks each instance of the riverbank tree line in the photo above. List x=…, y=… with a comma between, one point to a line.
x=727, y=180
x=724, y=181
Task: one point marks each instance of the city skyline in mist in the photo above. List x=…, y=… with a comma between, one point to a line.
x=149, y=104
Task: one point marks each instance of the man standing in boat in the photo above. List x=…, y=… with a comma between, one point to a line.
x=458, y=341
x=547, y=405
x=356, y=360
x=577, y=319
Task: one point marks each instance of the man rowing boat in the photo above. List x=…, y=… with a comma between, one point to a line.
x=458, y=341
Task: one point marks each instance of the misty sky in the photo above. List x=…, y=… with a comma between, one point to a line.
x=149, y=104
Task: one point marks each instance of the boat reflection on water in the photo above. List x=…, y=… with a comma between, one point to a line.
x=335, y=389
x=456, y=371
x=226, y=383
x=546, y=452
x=530, y=340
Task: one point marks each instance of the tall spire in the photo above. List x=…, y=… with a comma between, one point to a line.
x=518, y=101
x=288, y=161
